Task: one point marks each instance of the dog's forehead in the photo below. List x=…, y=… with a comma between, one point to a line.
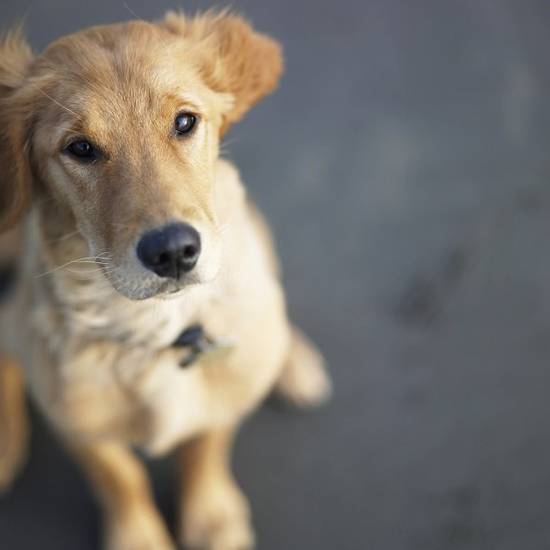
x=136, y=41
x=134, y=68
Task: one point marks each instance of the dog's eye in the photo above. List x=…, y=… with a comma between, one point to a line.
x=82, y=150
x=184, y=123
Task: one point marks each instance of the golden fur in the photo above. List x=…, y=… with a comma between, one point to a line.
x=89, y=326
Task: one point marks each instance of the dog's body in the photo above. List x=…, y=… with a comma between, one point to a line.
x=91, y=327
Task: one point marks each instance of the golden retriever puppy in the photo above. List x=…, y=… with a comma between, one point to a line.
x=147, y=311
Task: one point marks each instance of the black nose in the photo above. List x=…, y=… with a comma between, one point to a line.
x=171, y=250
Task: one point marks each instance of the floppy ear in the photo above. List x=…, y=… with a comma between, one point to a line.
x=15, y=177
x=233, y=59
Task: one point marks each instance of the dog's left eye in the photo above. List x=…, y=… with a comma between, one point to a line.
x=184, y=123
x=83, y=150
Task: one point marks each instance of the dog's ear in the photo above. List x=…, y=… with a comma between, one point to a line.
x=233, y=59
x=15, y=177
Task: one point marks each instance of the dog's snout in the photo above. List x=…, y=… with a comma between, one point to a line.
x=171, y=250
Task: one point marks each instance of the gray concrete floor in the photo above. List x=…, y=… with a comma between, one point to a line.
x=404, y=167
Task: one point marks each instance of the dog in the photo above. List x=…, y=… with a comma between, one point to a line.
x=147, y=311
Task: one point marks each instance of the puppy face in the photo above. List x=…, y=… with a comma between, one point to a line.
x=119, y=128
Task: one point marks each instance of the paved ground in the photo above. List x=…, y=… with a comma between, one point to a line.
x=404, y=166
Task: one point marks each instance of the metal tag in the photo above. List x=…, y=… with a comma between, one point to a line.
x=202, y=348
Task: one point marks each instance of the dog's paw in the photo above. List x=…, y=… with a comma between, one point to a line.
x=139, y=531
x=217, y=520
x=304, y=381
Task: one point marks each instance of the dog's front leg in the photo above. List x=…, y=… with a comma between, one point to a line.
x=120, y=483
x=214, y=513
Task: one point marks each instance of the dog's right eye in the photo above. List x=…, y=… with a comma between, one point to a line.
x=82, y=150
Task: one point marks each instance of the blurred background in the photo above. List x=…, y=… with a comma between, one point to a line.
x=404, y=167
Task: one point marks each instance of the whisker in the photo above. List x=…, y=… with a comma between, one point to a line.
x=45, y=94
x=84, y=271
x=84, y=260
x=131, y=11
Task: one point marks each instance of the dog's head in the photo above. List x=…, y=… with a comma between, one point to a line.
x=118, y=128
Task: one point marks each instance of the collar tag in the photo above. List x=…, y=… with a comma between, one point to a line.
x=200, y=346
